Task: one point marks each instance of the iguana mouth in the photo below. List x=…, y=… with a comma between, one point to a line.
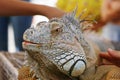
x=29, y=42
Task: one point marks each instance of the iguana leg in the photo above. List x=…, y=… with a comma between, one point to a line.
x=26, y=74
x=113, y=74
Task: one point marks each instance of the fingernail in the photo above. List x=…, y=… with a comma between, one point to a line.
x=109, y=49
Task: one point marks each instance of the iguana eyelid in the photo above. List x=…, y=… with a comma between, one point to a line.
x=56, y=28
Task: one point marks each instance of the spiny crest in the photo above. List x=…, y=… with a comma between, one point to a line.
x=77, y=21
x=70, y=18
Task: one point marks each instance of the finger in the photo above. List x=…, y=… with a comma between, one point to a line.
x=106, y=56
x=106, y=62
x=114, y=54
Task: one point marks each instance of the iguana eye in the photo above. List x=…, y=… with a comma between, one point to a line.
x=56, y=28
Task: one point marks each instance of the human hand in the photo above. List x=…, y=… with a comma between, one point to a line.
x=111, y=56
x=55, y=13
x=22, y=8
x=50, y=12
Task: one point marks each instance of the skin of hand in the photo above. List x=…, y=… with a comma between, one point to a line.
x=110, y=10
x=22, y=8
x=112, y=56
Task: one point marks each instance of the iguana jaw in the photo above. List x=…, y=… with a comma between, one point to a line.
x=73, y=64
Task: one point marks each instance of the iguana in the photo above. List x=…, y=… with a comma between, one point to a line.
x=58, y=50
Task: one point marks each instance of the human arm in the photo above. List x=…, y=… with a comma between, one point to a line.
x=17, y=8
x=112, y=56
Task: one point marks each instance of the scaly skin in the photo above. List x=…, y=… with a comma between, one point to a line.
x=59, y=47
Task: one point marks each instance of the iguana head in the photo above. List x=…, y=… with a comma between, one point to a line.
x=61, y=41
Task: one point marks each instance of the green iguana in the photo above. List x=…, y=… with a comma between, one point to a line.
x=58, y=50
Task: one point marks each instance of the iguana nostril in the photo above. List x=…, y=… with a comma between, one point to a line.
x=24, y=37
